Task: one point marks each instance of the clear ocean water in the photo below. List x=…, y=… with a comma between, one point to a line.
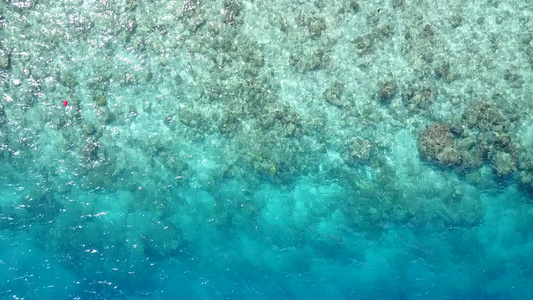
x=253, y=149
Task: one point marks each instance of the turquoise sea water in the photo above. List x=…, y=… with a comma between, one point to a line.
x=266, y=149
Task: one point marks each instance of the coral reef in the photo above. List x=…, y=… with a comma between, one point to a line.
x=480, y=137
x=310, y=60
x=437, y=144
x=315, y=25
x=363, y=44
x=232, y=9
x=358, y=151
x=334, y=94
x=485, y=118
x=5, y=59
x=525, y=170
x=386, y=91
x=418, y=97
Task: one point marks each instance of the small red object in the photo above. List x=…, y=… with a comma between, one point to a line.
x=65, y=103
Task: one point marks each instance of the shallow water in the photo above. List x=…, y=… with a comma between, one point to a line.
x=266, y=149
